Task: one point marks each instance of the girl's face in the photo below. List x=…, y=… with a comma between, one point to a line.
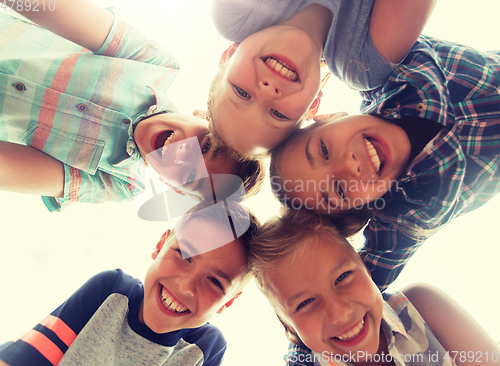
x=330, y=300
x=178, y=147
x=343, y=164
x=268, y=85
x=186, y=292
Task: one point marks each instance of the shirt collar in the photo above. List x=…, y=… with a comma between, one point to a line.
x=392, y=324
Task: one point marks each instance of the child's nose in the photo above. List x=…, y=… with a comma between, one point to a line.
x=269, y=90
x=184, y=153
x=348, y=166
x=338, y=311
x=186, y=285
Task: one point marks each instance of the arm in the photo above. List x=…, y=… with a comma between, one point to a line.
x=395, y=25
x=25, y=169
x=455, y=329
x=80, y=21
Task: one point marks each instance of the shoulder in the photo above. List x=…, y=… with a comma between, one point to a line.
x=211, y=342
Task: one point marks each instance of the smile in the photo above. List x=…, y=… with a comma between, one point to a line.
x=282, y=68
x=352, y=333
x=375, y=152
x=170, y=303
x=163, y=140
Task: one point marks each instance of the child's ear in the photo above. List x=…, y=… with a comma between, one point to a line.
x=226, y=55
x=326, y=118
x=160, y=244
x=199, y=113
x=229, y=303
x=314, y=107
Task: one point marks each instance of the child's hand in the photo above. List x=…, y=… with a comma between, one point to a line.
x=326, y=118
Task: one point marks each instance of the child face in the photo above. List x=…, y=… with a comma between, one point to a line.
x=177, y=146
x=330, y=300
x=185, y=293
x=343, y=164
x=258, y=104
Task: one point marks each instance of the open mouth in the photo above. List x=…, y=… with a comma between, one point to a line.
x=170, y=303
x=352, y=333
x=162, y=141
x=376, y=153
x=282, y=68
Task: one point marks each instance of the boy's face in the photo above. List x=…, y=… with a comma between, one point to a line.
x=258, y=103
x=343, y=164
x=178, y=147
x=184, y=293
x=329, y=300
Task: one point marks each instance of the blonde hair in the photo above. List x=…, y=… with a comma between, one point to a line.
x=282, y=239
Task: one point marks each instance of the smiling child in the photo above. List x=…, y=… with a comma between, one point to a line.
x=334, y=314
x=199, y=269
x=81, y=111
x=425, y=151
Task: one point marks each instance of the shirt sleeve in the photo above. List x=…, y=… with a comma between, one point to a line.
x=386, y=251
x=124, y=41
x=350, y=52
x=47, y=342
x=100, y=187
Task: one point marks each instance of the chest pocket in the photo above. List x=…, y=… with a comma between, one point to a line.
x=79, y=152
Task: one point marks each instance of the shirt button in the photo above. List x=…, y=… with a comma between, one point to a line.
x=459, y=128
x=126, y=121
x=20, y=86
x=420, y=107
x=81, y=107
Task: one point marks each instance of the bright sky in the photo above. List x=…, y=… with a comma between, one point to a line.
x=46, y=257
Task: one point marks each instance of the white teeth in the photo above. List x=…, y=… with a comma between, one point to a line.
x=282, y=68
x=170, y=303
x=375, y=159
x=168, y=141
x=352, y=333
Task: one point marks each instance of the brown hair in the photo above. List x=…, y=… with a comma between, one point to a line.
x=283, y=239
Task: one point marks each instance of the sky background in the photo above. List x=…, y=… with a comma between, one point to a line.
x=45, y=257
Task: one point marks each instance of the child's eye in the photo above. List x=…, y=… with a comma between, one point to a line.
x=324, y=150
x=217, y=283
x=278, y=115
x=191, y=177
x=242, y=93
x=342, y=277
x=339, y=189
x=183, y=255
x=206, y=145
x=304, y=303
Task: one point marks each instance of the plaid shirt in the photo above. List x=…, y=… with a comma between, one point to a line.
x=80, y=107
x=459, y=88
x=408, y=339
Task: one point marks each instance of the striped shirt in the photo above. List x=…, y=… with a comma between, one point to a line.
x=80, y=107
x=459, y=88
x=409, y=341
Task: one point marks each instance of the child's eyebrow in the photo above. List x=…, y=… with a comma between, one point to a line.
x=309, y=157
x=223, y=275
